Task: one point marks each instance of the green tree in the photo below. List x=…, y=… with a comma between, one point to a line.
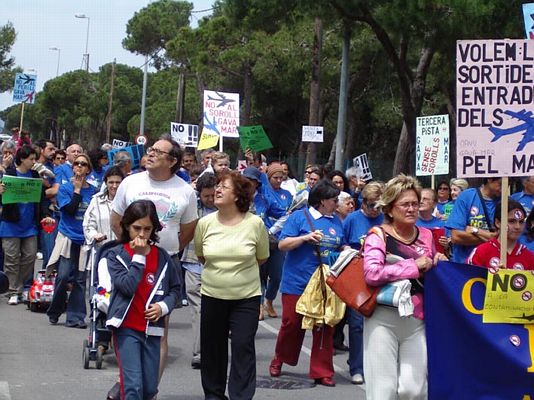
x=8, y=69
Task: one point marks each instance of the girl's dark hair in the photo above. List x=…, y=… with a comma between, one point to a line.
x=289, y=171
x=243, y=188
x=113, y=171
x=137, y=210
x=95, y=156
x=512, y=205
x=23, y=153
x=324, y=189
x=337, y=172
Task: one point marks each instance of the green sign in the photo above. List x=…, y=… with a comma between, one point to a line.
x=253, y=138
x=21, y=190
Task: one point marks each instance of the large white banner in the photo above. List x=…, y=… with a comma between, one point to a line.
x=432, y=151
x=495, y=100
x=185, y=134
x=221, y=113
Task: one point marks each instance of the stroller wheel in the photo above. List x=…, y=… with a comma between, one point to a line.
x=99, y=357
x=85, y=354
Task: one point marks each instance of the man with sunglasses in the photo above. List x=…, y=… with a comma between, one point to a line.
x=175, y=200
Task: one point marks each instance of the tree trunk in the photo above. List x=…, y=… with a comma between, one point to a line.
x=315, y=87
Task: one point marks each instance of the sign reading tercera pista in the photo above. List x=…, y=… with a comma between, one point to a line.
x=495, y=106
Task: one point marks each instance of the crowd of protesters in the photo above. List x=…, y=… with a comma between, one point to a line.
x=189, y=230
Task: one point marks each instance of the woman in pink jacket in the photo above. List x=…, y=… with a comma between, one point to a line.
x=395, y=362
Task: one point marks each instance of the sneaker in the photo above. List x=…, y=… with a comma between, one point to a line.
x=53, y=320
x=356, y=379
x=25, y=295
x=39, y=255
x=13, y=300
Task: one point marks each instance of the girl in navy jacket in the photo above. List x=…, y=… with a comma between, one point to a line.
x=145, y=288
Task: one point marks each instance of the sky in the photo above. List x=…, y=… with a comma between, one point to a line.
x=42, y=24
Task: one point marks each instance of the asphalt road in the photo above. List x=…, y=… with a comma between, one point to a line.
x=40, y=361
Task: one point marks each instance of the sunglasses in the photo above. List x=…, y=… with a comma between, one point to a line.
x=60, y=158
x=80, y=164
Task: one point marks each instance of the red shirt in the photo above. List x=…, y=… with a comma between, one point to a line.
x=135, y=318
x=489, y=255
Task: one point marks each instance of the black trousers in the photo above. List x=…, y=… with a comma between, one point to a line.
x=218, y=318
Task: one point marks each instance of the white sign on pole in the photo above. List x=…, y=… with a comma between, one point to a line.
x=185, y=134
x=221, y=113
x=312, y=133
x=362, y=165
x=432, y=151
x=495, y=106
x=241, y=165
x=24, y=88
x=119, y=144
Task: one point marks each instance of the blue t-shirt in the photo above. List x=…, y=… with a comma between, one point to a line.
x=63, y=173
x=25, y=226
x=301, y=263
x=434, y=222
x=356, y=226
x=442, y=207
x=96, y=179
x=468, y=211
x=279, y=202
x=528, y=243
x=182, y=173
x=71, y=225
x=526, y=200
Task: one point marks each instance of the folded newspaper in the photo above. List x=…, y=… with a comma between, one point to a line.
x=397, y=294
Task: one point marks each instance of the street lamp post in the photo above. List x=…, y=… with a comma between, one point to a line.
x=86, y=55
x=58, y=58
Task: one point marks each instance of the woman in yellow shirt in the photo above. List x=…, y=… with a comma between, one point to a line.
x=231, y=243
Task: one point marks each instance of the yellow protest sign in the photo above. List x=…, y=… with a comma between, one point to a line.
x=509, y=297
x=207, y=140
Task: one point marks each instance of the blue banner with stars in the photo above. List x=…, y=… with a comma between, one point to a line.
x=468, y=359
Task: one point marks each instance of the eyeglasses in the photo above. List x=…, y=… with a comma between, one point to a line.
x=406, y=206
x=310, y=171
x=158, y=152
x=60, y=158
x=443, y=188
x=374, y=205
x=219, y=186
x=80, y=164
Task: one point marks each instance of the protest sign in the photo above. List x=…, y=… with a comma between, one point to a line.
x=468, y=359
x=185, y=134
x=207, y=140
x=136, y=152
x=362, y=166
x=21, y=190
x=509, y=297
x=432, y=151
x=312, y=133
x=24, y=88
x=221, y=113
x=254, y=138
x=528, y=17
x=495, y=100
x=119, y=144
x=241, y=165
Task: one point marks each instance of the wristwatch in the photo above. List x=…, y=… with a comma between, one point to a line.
x=474, y=231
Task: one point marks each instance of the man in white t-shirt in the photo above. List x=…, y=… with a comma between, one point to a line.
x=175, y=202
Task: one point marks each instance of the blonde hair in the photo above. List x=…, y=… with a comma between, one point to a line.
x=461, y=183
x=394, y=188
x=373, y=190
x=219, y=155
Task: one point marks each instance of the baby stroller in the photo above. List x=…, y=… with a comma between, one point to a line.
x=99, y=337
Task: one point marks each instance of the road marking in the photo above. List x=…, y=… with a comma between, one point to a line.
x=305, y=350
x=4, y=391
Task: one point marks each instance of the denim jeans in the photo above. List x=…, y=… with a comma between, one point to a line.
x=271, y=274
x=138, y=358
x=67, y=268
x=355, y=321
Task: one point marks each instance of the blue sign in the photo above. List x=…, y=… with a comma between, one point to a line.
x=24, y=89
x=468, y=359
x=528, y=16
x=136, y=152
